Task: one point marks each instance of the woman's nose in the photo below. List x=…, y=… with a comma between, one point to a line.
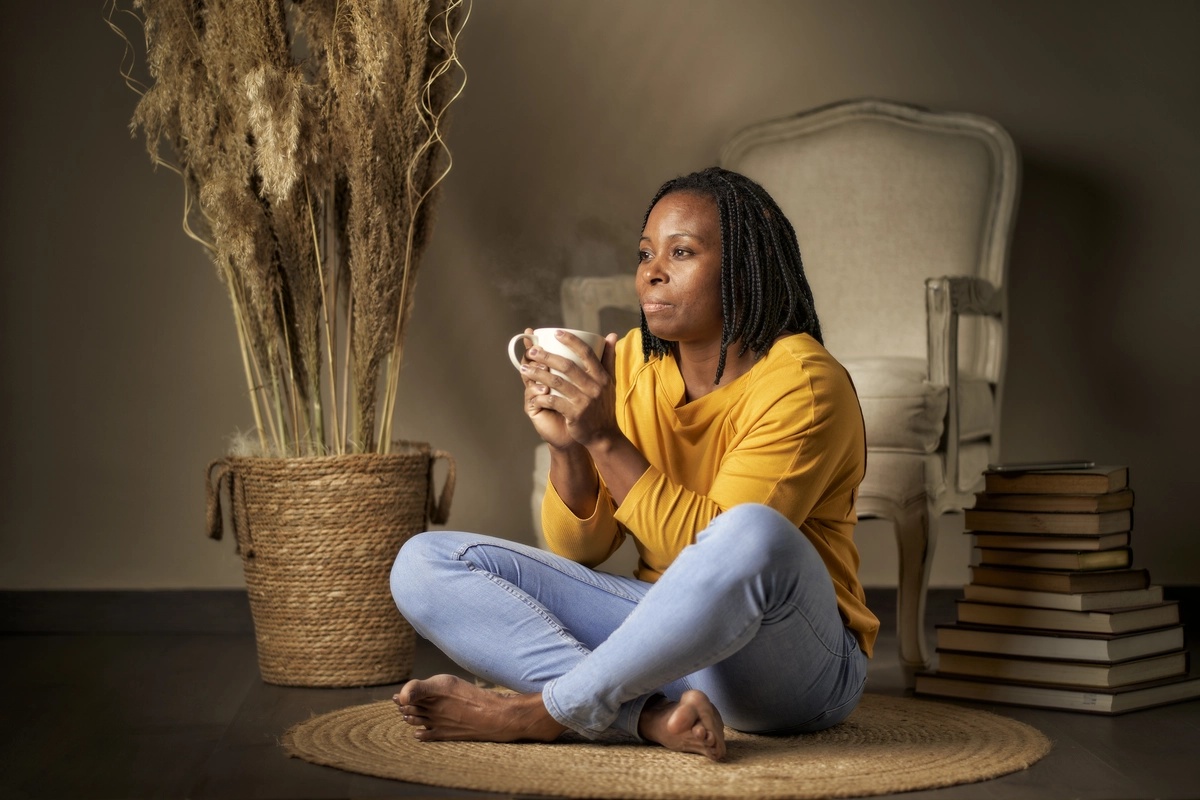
x=650, y=273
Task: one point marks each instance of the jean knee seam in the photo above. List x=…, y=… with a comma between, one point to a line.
x=462, y=551
x=549, y=620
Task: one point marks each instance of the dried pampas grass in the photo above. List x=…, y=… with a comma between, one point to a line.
x=309, y=139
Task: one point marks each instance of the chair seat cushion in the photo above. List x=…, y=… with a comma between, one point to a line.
x=904, y=412
x=896, y=479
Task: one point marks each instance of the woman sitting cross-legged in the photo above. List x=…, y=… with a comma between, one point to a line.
x=729, y=444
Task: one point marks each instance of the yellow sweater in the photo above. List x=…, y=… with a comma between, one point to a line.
x=788, y=433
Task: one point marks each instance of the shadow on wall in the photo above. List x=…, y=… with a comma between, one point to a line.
x=1063, y=396
x=1102, y=335
x=595, y=247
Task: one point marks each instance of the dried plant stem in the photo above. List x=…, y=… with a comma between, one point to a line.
x=277, y=399
x=128, y=57
x=294, y=405
x=347, y=356
x=335, y=271
x=250, y=365
x=309, y=141
x=329, y=333
x=434, y=139
x=261, y=394
x=244, y=347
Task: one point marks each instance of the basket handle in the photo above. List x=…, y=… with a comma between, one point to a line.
x=439, y=512
x=213, y=485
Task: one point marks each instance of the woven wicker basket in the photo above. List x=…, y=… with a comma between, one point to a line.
x=317, y=537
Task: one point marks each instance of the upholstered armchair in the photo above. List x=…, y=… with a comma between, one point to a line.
x=904, y=218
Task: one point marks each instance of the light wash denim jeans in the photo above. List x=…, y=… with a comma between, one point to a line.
x=747, y=615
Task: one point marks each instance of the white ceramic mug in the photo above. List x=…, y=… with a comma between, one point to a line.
x=545, y=339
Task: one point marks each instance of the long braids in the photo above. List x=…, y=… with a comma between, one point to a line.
x=764, y=291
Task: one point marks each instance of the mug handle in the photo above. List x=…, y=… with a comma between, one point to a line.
x=512, y=355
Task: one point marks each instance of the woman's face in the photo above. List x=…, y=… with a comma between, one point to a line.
x=679, y=269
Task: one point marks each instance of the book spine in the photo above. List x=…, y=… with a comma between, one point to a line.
x=1050, y=560
x=1049, y=524
x=1127, y=621
x=1067, y=601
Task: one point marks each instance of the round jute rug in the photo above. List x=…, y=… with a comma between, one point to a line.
x=889, y=744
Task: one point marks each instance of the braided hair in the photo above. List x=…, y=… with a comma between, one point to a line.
x=764, y=292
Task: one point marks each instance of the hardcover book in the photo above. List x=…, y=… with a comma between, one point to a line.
x=1048, y=523
x=1117, y=700
x=1093, y=480
x=1053, y=560
x=1022, y=541
x=1069, y=646
x=1071, y=673
x=1061, y=580
x=1065, y=503
x=1117, y=621
x=1080, y=601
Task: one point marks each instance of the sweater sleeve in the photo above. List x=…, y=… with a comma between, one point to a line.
x=588, y=541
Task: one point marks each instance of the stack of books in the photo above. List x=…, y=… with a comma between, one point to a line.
x=1055, y=615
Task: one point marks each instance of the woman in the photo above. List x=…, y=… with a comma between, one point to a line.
x=727, y=441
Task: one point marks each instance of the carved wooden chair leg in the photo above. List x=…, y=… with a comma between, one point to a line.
x=916, y=546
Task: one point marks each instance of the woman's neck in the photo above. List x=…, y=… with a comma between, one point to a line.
x=698, y=367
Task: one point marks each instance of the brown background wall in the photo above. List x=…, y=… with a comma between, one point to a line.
x=121, y=378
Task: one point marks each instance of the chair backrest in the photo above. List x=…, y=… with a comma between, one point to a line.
x=883, y=196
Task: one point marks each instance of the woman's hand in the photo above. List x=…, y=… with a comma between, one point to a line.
x=584, y=408
x=548, y=423
x=580, y=423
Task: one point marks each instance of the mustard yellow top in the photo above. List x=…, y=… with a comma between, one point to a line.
x=788, y=433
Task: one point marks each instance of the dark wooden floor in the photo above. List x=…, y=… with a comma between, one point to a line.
x=129, y=695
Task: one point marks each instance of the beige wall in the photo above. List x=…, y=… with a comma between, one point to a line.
x=121, y=378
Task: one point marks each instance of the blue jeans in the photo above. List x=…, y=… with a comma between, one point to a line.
x=746, y=615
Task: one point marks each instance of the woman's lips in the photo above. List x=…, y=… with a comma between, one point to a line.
x=653, y=307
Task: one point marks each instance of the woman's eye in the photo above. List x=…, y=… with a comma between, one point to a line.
x=679, y=252
x=643, y=256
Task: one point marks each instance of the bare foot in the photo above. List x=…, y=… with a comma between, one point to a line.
x=692, y=725
x=448, y=708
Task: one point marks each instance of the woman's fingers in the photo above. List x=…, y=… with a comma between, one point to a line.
x=534, y=391
x=562, y=373
x=555, y=372
x=581, y=396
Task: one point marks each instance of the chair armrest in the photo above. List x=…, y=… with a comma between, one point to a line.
x=946, y=299
x=968, y=294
